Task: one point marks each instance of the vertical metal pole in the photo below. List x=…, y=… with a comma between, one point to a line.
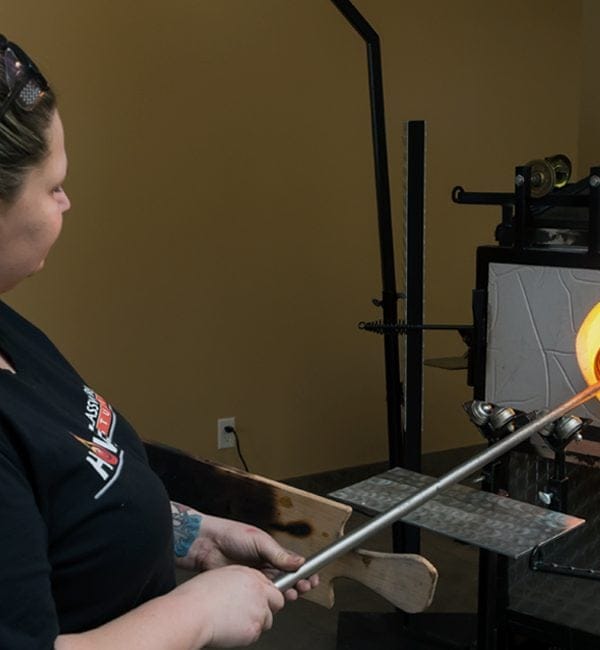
x=522, y=195
x=415, y=249
x=594, y=216
x=389, y=301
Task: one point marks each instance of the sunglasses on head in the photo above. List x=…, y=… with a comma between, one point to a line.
x=26, y=84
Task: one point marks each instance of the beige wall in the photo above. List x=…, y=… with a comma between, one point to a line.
x=589, y=122
x=222, y=245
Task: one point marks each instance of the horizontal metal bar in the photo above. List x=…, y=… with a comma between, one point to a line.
x=459, y=195
x=380, y=326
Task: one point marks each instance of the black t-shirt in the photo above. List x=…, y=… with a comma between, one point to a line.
x=86, y=530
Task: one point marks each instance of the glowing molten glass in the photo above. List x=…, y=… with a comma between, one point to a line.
x=587, y=347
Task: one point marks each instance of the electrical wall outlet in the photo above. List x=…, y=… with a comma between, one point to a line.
x=225, y=439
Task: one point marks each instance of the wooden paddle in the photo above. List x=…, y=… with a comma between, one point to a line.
x=299, y=520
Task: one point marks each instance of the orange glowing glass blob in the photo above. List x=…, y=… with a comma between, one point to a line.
x=587, y=347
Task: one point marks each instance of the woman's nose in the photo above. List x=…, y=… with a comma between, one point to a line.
x=66, y=202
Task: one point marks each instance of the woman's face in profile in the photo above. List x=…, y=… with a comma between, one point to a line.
x=31, y=224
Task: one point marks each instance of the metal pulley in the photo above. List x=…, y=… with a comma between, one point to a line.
x=549, y=173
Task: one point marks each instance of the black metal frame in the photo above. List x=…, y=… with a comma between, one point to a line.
x=415, y=277
x=496, y=623
x=498, y=626
x=389, y=297
x=404, y=440
x=520, y=211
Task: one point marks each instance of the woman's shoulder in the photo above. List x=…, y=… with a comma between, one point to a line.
x=12, y=320
x=20, y=338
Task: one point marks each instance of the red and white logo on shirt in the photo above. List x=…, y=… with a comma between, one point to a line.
x=103, y=453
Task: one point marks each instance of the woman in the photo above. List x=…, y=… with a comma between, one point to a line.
x=89, y=539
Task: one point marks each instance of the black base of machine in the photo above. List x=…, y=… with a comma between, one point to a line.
x=396, y=631
x=530, y=633
x=389, y=631
x=565, y=587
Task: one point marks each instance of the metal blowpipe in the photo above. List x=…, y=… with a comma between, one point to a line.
x=356, y=537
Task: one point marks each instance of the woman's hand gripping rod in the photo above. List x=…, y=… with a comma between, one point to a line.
x=357, y=537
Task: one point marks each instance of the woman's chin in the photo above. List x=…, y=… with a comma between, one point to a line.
x=36, y=270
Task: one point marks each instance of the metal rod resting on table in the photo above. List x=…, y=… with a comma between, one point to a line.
x=356, y=537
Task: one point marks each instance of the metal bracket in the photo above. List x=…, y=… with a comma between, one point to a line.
x=537, y=563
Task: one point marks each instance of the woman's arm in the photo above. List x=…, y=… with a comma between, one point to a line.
x=227, y=605
x=186, y=529
x=224, y=608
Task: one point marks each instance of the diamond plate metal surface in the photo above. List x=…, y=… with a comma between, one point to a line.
x=496, y=523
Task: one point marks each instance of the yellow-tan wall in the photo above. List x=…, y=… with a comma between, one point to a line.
x=222, y=244
x=589, y=119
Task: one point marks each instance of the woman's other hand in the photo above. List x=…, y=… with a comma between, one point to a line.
x=222, y=542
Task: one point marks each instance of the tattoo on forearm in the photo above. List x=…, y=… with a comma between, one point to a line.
x=186, y=525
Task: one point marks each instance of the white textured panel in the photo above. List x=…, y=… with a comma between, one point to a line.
x=534, y=313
